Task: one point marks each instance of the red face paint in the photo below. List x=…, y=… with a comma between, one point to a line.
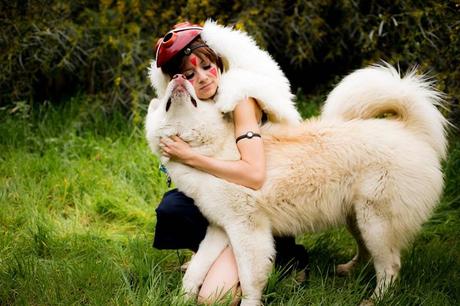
x=193, y=60
x=213, y=71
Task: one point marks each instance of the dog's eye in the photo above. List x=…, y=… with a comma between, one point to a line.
x=189, y=76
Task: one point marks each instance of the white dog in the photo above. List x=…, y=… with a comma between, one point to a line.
x=380, y=177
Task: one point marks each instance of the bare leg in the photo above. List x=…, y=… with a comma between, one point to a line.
x=362, y=253
x=221, y=279
x=210, y=248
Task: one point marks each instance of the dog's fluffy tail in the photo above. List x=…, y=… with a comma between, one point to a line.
x=379, y=91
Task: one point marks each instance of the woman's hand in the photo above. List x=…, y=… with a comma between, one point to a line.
x=175, y=148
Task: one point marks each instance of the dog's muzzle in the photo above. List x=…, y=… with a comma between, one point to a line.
x=180, y=91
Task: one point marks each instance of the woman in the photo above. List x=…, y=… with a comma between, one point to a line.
x=225, y=67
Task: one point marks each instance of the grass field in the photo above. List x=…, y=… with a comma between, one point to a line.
x=78, y=189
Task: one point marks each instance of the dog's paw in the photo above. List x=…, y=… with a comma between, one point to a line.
x=343, y=270
x=190, y=290
x=190, y=296
x=247, y=302
x=367, y=303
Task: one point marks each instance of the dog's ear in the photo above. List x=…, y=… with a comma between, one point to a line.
x=154, y=103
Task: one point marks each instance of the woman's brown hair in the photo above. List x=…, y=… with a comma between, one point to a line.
x=200, y=49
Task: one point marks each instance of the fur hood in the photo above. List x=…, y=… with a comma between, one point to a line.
x=248, y=72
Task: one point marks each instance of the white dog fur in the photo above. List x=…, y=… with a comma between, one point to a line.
x=379, y=177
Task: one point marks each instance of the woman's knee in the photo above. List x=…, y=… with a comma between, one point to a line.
x=222, y=280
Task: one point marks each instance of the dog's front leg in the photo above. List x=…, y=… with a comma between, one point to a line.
x=210, y=248
x=254, y=251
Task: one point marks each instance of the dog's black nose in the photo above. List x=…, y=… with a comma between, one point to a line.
x=178, y=75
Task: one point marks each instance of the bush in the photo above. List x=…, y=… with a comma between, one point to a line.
x=55, y=48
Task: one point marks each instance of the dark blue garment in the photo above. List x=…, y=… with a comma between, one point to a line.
x=180, y=225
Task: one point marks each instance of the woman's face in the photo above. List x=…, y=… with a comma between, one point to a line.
x=203, y=75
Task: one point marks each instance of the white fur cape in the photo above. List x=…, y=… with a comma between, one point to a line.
x=248, y=72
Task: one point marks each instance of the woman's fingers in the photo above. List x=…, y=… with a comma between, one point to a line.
x=176, y=138
x=166, y=141
x=174, y=147
x=165, y=152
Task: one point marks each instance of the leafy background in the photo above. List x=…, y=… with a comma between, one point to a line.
x=52, y=49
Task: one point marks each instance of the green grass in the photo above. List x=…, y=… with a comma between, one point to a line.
x=78, y=189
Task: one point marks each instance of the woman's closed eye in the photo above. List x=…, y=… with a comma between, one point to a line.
x=206, y=66
x=189, y=75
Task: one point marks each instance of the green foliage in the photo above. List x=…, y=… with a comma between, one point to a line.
x=56, y=48
x=319, y=41
x=52, y=49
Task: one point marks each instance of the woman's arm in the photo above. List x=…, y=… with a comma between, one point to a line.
x=249, y=171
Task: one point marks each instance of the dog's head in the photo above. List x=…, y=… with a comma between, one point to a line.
x=180, y=112
x=179, y=97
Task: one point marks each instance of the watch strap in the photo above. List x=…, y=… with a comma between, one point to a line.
x=248, y=135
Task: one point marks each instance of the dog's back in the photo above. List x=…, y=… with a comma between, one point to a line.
x=317, y=174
